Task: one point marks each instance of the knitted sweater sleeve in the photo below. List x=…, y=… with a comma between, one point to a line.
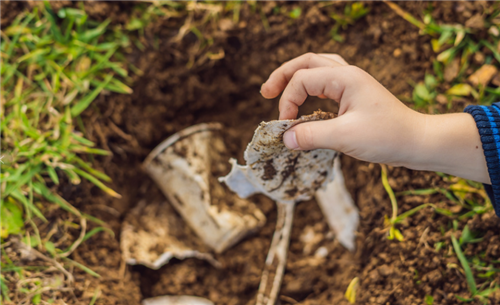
x=488, y=124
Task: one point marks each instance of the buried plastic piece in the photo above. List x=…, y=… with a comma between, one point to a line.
x=153, y=233
x=339, y=209
x=287, y=176
x=282, y=174
x=183, y=167
x=176, y=300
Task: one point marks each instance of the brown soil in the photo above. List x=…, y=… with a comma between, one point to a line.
x=171, y=96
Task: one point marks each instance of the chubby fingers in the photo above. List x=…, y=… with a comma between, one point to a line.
x=335, y=57
x=279, y=79
x=313, y=135
x=325, y=81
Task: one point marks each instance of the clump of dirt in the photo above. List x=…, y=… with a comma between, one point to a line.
x=183, y=86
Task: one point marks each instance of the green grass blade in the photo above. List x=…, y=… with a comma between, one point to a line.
x=4, y=288
x=492, y=49
x=418, y=192
x=389, y=191
x=82, y=267
x=28, y=205
x=54, y=28
x=95, y=296
x=82, y=140
x=85, y=102
x=93, y=219
x=35, y=53
x=94, y=33
x=41, y=189
x=22, y=180
x=16, y=37
x=52, y=174
x=97, y=183
x=88, y=150
x=409, y=213
x=471, y=282
x=97, y=230
x=94, y=172
x=115, y=86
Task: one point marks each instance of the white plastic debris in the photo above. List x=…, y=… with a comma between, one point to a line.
x=310, y=238
x=153, y=233
x=339, y=209
x=274, y=269
x=177, y=300
x=282, y=174
x=183, y=166
x=287, y=176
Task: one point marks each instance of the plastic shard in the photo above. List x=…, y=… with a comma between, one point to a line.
x=153, y=233
x=177, y=300
x=183, y=167
x=338, y=207
x=286, y=176
x=282, y=174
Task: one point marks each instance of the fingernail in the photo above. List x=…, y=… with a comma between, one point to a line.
x=290, y=140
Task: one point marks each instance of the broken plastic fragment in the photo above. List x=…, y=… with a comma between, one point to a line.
x=183, y=167
x=153, y=233
x=177, y=300
x=287, y=176
x=282, y=174
x=339, y=209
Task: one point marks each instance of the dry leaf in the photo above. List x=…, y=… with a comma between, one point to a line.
x=451, y=70
x=476, y=21
x=483, y=75
x=460, y=90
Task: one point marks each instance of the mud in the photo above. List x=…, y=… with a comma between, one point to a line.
x=182, y=86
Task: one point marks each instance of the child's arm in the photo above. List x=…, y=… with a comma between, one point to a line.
x=373, y=125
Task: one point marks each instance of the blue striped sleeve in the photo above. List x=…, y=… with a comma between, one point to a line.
x=488, y=124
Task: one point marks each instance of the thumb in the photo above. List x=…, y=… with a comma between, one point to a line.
x=313, y=135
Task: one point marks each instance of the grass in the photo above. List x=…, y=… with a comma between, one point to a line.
x=456, y=77
x=352, y=12
x=54, y=65
x=474, y=201
x=455, y=46
x=51, y=73
x=463, y=193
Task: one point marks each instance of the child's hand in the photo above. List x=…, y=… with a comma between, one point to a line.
x=373, y=125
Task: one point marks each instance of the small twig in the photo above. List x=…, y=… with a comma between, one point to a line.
x=83, y=224
x=28, y=298
x=184, y=29
x=56, y=264
x=101, y=136
x=423, y=239
x=121, y=133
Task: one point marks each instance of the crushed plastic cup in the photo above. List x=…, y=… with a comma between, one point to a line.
x=182, y=166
